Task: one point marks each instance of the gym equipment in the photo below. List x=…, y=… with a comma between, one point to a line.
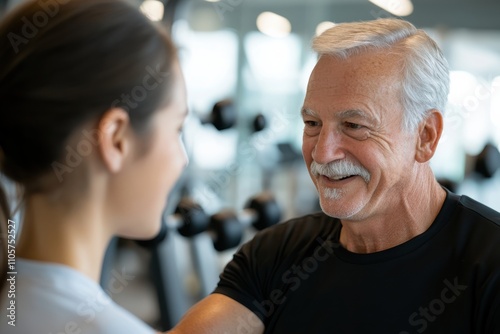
x=223, y=115
x=261, y=211
x=226, y=227
x=488, y=161
x=190, y=220
x=223, y=230
x=259, y=123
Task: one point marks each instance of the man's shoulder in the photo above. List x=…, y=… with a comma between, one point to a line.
x=476, y=229
x=479, y=211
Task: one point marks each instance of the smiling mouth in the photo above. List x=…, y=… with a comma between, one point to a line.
x=339, y=178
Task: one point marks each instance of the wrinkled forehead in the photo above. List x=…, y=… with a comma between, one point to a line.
x=376, y=72
x=365, y=86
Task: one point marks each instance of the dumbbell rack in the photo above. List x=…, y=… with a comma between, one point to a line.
x=204, y=234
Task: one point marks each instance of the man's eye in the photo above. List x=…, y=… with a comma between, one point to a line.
x=310, y=123
x=353, y=125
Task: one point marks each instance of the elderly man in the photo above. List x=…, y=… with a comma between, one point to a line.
x=392, y=251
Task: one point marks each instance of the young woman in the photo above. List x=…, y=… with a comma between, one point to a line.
x=92, y=104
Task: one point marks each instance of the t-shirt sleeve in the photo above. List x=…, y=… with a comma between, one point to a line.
x=255, y=277
x=489, y=290
x=244, y=277
x=490, y=302
x=495, y=328
x=485, y=253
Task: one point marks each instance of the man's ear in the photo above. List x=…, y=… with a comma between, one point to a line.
x=114, y=143
x=429, y=133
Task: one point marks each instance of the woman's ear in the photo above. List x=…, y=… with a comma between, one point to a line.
x=114, y=142
x=429, y=133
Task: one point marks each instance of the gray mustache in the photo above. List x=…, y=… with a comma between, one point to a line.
x=339, y=168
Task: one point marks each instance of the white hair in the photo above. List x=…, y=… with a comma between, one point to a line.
x=425, y=74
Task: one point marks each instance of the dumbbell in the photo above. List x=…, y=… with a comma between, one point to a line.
x=188, y=219
x=225, y=227
x=223, y=115
x=259, y=123
x=488, y=161
x=261, y=211
x=226, y=232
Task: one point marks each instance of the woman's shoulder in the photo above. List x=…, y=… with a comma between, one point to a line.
x=51, y=298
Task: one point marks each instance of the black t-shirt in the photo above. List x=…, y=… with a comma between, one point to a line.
x=298, y=279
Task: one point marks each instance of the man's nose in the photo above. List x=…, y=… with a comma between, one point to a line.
x=329, y=146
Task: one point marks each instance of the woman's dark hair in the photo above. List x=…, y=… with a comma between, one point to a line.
x=63, y=63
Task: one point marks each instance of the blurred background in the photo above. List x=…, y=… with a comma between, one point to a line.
x=246, y=64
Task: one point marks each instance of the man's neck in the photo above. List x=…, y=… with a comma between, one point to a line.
x=410, y=215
